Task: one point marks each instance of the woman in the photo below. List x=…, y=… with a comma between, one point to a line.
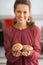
x=22, y=31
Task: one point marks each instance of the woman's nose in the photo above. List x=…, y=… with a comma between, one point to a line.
x=21, y=14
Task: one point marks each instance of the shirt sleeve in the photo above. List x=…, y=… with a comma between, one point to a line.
x=7, y=46
x=36, y=46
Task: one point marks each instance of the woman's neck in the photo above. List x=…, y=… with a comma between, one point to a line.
x=21, y=26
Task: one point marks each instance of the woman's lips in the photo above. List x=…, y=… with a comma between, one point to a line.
x=21, y=19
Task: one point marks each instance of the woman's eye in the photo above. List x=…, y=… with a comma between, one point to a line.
x=25, y=12
x=19, y=11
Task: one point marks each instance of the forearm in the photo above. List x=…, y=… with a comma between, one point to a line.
x=34, y=54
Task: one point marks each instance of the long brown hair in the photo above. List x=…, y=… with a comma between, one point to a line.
x=26, y=2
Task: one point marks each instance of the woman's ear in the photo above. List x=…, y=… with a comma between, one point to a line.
x=29, y=18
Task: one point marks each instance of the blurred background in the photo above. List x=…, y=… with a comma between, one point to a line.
x=6, y=17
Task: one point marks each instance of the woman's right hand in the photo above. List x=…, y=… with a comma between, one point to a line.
x=16, y=53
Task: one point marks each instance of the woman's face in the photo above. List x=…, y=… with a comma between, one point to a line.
x=22, y=13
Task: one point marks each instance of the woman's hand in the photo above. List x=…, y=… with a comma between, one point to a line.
x=27, y=50
x=26, y=53
x=16, y=53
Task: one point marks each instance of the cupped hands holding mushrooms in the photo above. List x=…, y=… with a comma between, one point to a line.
x=21, y=50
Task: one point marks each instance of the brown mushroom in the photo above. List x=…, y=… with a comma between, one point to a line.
x=17, y=47
x=27, y=48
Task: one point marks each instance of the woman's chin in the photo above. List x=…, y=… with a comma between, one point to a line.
x=21, y=21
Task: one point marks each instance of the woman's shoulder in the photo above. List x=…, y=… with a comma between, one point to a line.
x=36, y=29
x=8, y=30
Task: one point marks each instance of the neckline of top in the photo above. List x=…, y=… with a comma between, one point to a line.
x=21, y=29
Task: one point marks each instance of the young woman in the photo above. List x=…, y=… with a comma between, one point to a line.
x=25, y=32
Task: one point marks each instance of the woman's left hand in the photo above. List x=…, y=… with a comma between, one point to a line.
x=26, y=53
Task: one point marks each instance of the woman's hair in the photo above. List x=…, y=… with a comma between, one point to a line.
x=26, y=2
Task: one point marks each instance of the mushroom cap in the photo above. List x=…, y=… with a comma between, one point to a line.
x=27, y=48
x=17, y=47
